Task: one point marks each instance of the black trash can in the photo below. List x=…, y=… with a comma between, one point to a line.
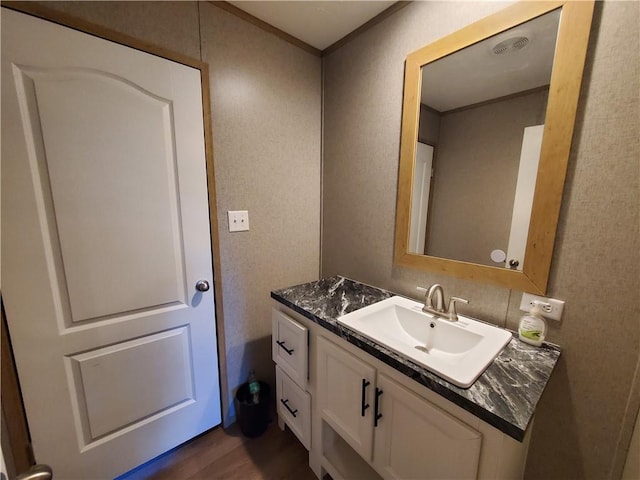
x=253, y=418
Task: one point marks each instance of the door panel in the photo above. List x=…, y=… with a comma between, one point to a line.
x=123, y=182
x=105, y=232
x=128, y=382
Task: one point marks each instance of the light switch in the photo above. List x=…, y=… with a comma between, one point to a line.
x=238, y=220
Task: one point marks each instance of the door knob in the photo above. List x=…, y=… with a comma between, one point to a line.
x=37, y=472
x=202, y=285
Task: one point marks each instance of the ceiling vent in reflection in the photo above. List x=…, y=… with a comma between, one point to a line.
x=510, y=45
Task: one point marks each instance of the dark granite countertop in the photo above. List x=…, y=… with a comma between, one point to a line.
x=504, y=396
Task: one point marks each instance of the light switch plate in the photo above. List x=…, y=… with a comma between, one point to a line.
x=551, y=308
x=238, y=220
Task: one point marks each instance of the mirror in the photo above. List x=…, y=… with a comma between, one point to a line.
x=481, y=118
x=488, y=117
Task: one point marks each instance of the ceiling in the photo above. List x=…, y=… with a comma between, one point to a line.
x=470, y=76
x=319, y=24
x=476, y=74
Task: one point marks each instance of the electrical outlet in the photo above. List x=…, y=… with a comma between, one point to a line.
x=551, y=308
x=238, y=220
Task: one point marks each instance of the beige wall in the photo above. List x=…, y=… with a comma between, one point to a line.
x=266, y=103
x=266, y=109
x=428, y=126
x=478, y=153
x=266, y=119
x=588, y=409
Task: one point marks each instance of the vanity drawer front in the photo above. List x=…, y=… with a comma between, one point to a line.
x=290, y=347
x=294, y=407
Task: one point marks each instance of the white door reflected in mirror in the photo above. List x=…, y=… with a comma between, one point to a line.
x=525, y=188
x=422, y=175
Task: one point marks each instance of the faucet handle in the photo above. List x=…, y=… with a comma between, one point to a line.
x=453, y=315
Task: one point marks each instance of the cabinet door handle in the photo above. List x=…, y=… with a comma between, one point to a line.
x=286, y=404
x=281, y=344
x=377, y=416
x=363, y=405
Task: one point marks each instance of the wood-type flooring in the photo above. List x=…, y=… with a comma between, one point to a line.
x=227, y=454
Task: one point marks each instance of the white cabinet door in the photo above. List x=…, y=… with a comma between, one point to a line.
x=346, y=393
x=105, y=233
x=414, y=439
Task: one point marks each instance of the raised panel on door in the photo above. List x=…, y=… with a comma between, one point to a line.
x=105, y=227
x=117, y=139
x=125, y=383
x=415, y=439
x=106, y=162
x=342, y=379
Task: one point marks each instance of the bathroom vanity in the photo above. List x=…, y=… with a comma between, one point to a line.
x=364, y=411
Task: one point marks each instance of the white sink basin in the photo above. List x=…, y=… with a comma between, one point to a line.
x=456, y=351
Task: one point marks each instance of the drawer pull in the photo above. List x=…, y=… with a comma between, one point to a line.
x=286, y=404
x=281, y=344
x=377, y=416
x=363, y=405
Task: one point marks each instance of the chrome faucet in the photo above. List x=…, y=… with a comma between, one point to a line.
x=436, y=292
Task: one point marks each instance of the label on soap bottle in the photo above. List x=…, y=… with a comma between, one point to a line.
x=532, y=330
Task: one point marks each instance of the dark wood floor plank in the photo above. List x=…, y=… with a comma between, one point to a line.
x=302, y=472
x=249, y=459
x=205, y=450
x=227, y=454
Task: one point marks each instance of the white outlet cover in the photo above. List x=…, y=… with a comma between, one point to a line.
x=238, y=220
x=552, y=308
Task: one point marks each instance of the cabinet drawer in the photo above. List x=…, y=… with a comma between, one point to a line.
x=294, y=407
x=289, y=347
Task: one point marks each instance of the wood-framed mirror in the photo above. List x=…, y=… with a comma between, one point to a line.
x=495, y=102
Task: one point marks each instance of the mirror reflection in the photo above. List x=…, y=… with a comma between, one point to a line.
x=481, y=122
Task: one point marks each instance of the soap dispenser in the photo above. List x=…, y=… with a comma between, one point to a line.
x=533, y=327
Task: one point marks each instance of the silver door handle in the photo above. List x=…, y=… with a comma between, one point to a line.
x=202, y=285
x=37, y=472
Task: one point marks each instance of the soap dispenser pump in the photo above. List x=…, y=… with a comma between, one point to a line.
x=533, y=327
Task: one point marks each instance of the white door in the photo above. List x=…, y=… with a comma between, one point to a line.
x=414, y=439
x=422, y=173
x=523, y=199
x=105, y=233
